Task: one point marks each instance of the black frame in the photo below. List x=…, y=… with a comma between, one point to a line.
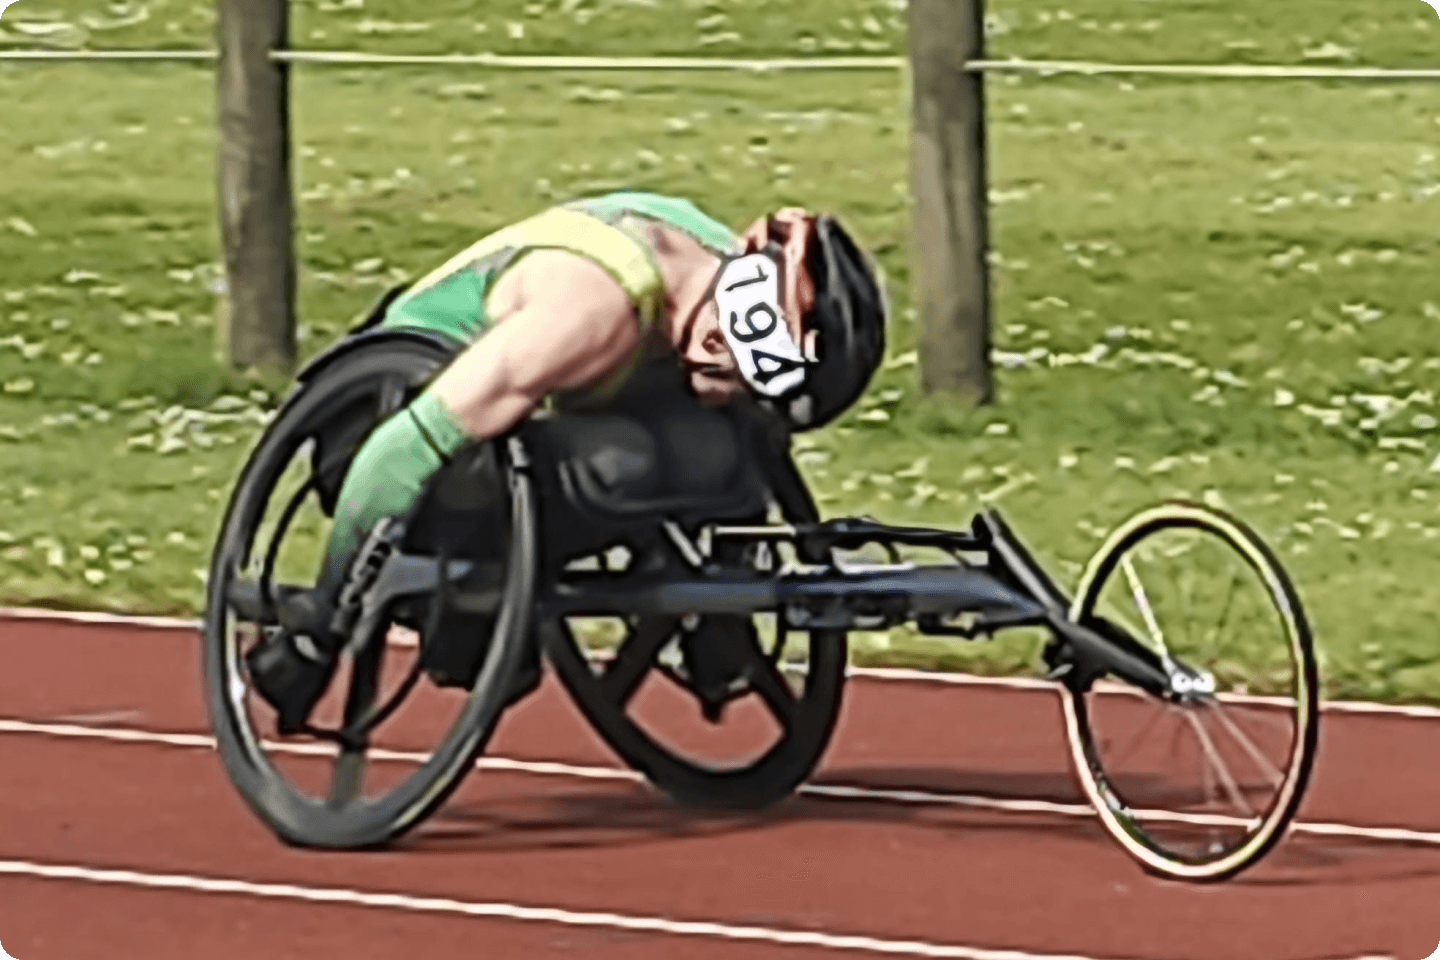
x=1007, y=589
x=684, y=548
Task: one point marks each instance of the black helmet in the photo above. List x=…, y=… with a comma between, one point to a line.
x=848, y=317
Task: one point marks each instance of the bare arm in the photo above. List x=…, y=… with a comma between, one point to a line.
x=568, y=326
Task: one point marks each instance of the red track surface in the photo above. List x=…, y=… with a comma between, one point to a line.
x=937, y=874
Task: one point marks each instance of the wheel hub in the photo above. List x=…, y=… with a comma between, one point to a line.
x=1188, y=683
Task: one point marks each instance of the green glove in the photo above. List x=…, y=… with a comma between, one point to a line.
x=388, y=474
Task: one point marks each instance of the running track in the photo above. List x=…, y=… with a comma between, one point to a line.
x=120, y=837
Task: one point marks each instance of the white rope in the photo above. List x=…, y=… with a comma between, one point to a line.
x=83, y=56
x=498, y=61
x=350, y=58
x=1043, y=68
x=1218, y=71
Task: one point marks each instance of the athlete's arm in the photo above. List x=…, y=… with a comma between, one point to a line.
x=565, y=325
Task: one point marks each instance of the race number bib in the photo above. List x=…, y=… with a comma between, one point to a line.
x=747, y=297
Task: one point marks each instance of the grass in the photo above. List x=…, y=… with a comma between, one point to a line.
x=1399, y=33
x=1216, y=290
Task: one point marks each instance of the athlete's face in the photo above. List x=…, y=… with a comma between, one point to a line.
x=714, y=374
x=713, y=371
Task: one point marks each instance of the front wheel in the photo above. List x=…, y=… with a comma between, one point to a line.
x=1200, y=784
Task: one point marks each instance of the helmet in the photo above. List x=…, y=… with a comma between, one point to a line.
x=839, y=297
x=848, y=317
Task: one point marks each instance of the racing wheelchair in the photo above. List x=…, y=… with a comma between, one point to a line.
x=653, y=543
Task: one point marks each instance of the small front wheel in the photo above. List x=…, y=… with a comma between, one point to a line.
x=1199, y=784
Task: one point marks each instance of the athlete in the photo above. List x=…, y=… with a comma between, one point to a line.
x=569, y=301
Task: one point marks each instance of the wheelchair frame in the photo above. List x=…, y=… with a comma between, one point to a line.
x=994, y=584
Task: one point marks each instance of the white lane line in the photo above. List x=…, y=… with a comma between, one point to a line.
x=511, y=911
x=409, y=903
x=96, y=719
x=206, y=742
x=874, y=673
x=104, y=619
x=1036, y=684
x=821, y=790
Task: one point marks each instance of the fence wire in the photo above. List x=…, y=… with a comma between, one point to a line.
x=1042, y=68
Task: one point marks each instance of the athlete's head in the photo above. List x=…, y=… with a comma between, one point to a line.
x=797, y=319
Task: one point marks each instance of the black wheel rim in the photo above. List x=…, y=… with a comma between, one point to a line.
x=343, y=818
x=806, y=714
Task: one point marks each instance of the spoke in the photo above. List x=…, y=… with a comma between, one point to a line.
x=767, y=680
x=364, y=684
x=248, y=603
x=1187, y=604
x=1212, y=641
x=1286, y=722
x=349, y=774
x=782, y=639
x=1261, y=761
x=1155, y=714
x=1217, y=763
x=1142, y=603
x=1207, y=779
x=1175, y=741
x=635, y=657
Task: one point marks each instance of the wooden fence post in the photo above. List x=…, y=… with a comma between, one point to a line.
x=257, y=326
x=950, y=217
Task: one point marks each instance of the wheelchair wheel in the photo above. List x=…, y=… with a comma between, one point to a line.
x=1200, y=784
x=406, y=743
x=646, y=700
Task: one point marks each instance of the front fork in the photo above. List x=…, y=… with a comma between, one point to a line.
x=1081, y=652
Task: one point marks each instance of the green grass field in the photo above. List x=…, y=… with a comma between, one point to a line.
x=1219, y=290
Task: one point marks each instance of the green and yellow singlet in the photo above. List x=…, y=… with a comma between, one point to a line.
x=607, y=230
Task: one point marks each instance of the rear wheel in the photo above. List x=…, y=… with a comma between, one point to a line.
x=648, y=686
x=753, y=752
x=407, y=743
x=1201, y=784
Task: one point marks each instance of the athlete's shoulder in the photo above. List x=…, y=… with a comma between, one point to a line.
x=678, y=213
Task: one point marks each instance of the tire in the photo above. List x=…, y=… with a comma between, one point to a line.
x=1171, y=843
x=385, y=375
